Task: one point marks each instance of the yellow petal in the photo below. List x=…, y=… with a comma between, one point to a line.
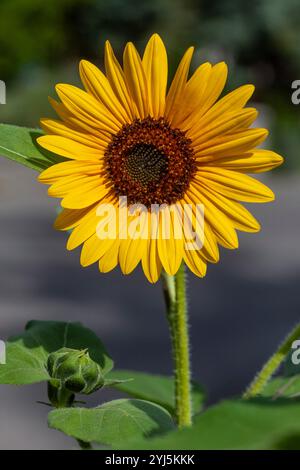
x=136, y=80
x=70, y=218
x=256, y=162
x=233, y=101
x=110, y=259
x=117, y=80
x=170, y=249
x=52, y=126
x=132, y=249
x=155, y=63
x=86, y=195
x=96, y=83
x=79, y=122
x=151, y=263
x=66, y=184
x=85, y=229
x=69, y=168
x=93, y=249
x=238, y=214
x=227, y=123
x=221, y=225
x=214, y=88
x=231, y=144
x=195, y=262
x=130, y=254
x=193, y=95
x=215, y=85
x=174, y=97
x=60, y=109
x=235, y=185
x=209, y=250
x=85, y=106
x=69, y=148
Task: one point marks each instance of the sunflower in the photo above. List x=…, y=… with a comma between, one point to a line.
x=127, y=135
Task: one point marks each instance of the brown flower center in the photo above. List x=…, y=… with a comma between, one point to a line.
x=149, y=162
x=145, y=163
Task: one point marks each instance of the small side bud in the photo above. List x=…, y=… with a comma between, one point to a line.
x=75, y=370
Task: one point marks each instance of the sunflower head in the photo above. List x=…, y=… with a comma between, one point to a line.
x=165, y=152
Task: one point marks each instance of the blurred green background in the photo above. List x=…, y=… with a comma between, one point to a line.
x=42, y=42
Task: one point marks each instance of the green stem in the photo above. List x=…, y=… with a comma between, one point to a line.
x=262, y=378
x=175, y=296
x=59, y=397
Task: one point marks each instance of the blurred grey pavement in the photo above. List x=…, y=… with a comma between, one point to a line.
x=238, y=314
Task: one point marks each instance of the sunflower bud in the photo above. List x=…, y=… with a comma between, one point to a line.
x=75, y=370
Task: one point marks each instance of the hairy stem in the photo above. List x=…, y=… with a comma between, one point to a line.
x=262, y=378
x=175, y=296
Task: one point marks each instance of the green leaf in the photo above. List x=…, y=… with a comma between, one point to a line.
x=287, y=387
x=19, y=144
x=114, y=422
x=26, y=354
x=114, y=382
x=256, y=424
x=155, y=388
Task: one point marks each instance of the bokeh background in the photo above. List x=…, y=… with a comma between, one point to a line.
x=247, y=302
